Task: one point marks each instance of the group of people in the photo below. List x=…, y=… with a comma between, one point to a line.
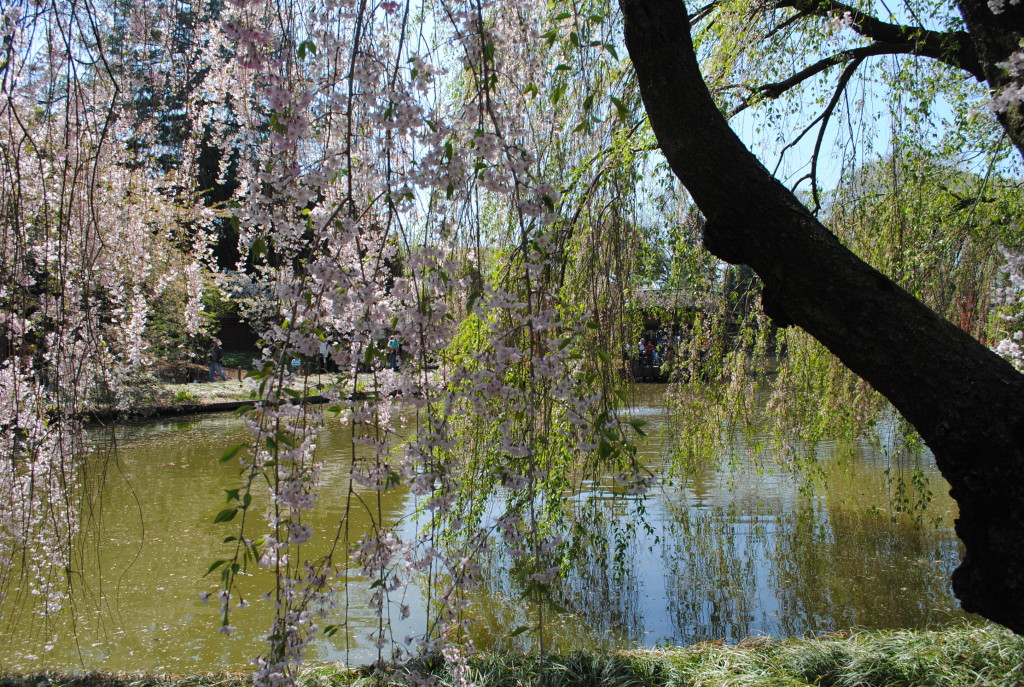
x=655, y=349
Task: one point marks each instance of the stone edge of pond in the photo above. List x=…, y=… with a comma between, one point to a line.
x=969, y=654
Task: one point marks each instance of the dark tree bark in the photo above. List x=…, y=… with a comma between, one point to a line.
x=995, y=37
x=967, y=403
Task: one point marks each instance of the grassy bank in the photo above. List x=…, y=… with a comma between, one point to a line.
x=972, y=655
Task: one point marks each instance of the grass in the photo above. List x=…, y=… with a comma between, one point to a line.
x=967, y=656
x=240, y=359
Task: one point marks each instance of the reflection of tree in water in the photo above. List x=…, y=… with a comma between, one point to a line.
x=790, y=566
x=847, y=567
x=595, y=606
x=711, y=571
x=604, y=586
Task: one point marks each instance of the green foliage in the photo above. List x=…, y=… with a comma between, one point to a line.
x=184, y=395
x=166, y=330
x=933, y=226
x=963, y=656
x=957, y=657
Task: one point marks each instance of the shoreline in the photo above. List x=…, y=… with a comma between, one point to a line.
x=964, y=655
x=198, y=398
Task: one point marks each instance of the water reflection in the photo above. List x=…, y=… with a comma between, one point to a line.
x=728, y=551
x=775, y=553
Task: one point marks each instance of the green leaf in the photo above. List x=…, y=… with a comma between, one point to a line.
x=230, y=453
x=638, y=426
x=258, y=248
x=226, y=515
x=214, y=566
x=620, y=107
x=519, y=630
x=306, y=48
x=561, y=16
x=473, y=297
x=557, y=92
x=232, y=495
x=611, y=49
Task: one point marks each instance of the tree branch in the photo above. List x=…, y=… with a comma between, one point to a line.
x=955, y=48
x=824, y=117
x=856, y=55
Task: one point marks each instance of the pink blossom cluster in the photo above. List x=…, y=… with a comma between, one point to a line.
x=1012, y=93
x=89, y=242
x=390, y=184
x=1010, y=298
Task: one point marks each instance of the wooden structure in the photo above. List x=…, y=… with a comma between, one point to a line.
x=667, y=317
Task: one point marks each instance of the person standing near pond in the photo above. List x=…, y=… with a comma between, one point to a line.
x=393, y=347
x=216, y=360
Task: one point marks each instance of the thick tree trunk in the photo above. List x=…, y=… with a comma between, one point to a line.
x=967, y=403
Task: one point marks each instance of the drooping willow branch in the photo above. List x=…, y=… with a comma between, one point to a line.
x=823, y=118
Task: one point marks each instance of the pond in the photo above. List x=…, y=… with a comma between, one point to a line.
x=728, y=551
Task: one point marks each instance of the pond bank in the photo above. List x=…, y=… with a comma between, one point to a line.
x=956, y=657
x=172, y=400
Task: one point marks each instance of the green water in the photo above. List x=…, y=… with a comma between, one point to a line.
x=728, y=551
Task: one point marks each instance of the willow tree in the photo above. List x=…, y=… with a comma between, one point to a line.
x=963, y=399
